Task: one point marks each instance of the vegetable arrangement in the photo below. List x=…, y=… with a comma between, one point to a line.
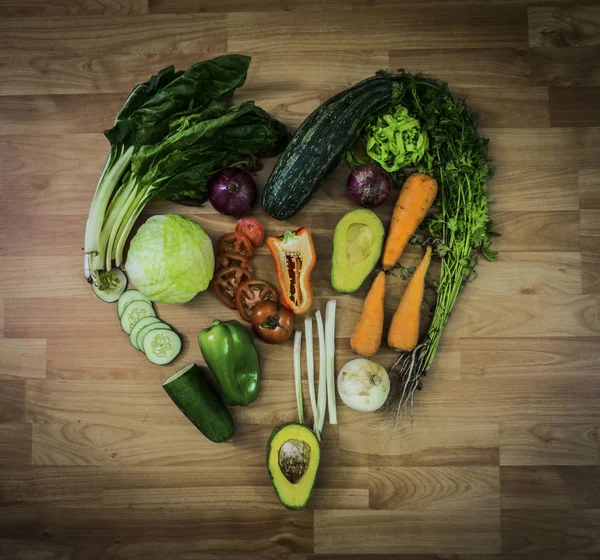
x=178, y=136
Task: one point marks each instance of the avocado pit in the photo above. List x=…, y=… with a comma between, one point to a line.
x=294, y=458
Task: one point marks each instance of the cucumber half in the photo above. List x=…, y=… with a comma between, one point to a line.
x=113, y=284
x=161, y=346
x=127, y=298
x=135, y=310
x=143, y=322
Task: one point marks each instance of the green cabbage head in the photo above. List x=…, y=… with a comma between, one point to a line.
x=170, y=259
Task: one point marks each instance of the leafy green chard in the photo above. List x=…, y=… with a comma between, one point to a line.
x=174, y=132
x=460, y=230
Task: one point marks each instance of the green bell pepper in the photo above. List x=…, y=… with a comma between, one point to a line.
x=230, y=354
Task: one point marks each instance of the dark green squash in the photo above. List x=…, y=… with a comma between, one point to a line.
x=320, y=143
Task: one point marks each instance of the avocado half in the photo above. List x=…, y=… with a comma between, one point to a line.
x=293, y=456
x=357, y=246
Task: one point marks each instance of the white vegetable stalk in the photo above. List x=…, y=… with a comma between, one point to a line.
x=322, y=398
x=330, y=343
x=298, y=374
x=310, y=367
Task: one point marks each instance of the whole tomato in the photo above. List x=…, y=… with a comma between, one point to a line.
x=272, y=322
x=252, y=228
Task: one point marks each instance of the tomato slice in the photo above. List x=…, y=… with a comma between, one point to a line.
x=252, y=228
x=226, y=281
x=250, y=293
x=235, y=242
x=229, y=259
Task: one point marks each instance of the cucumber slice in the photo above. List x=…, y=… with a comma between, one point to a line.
x=162, y=346
x=127, y=298
x=134, y=311
x=143, y=322
x=190, y=390
x=145, y=330
x=113, y=285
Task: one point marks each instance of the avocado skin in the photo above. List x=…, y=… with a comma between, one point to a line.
x=278, y=491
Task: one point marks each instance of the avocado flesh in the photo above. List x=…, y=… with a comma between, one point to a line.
x=293, y=461
x=357, y=246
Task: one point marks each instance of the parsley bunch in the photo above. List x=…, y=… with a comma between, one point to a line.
x=460, y=229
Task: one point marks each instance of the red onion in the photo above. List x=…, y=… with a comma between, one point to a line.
x=232, y=191
x=368, y=185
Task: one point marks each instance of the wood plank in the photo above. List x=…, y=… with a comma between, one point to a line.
x=272, y=531
x=53, y=236
x=544, y=148
x=52, y=154
x=59, y=487
x=432, y=488
x=508, y=107
x=556, y=530
x=550, y=487
x=22, y=358
x=49, y=195
x=15, y=444
x=420, y=442
x=25, y=277
x=590, y=253
x=550, y=443
x=60, y=8
x=589, y=188
x=575, y=106
x=467, y=531
x=590, y=267
x=533, y=358
x=69, y=114
x=504, y=68
x=547, y=189
x=512, y=317
x=194, y=6
x=12, y=400
x=564, y=26
x=444, y=26
x=103, y=35
x=152, y=445
x=530, y=273
x=537, y=231
x=31, y=75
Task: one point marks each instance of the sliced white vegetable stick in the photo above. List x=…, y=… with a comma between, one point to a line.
x=310, y=368
x=322, y=398
x=298, y=375
x=330, y=343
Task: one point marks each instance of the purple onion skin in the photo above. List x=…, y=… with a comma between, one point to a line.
x=368, y=185
x=232, y=191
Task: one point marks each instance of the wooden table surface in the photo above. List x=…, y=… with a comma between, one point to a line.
x=502, y=457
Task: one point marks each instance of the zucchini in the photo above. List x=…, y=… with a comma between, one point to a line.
x=194, y=396
x=320, y=143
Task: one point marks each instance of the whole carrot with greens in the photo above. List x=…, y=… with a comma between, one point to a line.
x=366, y=338
x=415, y=200
x=404, y=330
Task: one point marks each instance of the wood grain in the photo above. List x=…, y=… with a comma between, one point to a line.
x=498, y=457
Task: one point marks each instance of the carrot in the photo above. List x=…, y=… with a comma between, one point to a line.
x=416, y=197
x=404, y=330
x=366, y=338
